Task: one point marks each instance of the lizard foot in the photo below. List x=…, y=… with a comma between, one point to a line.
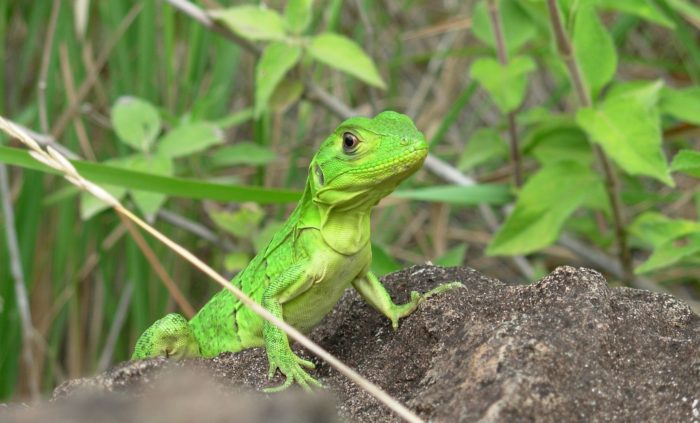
x=403, y=310
x=291, y=366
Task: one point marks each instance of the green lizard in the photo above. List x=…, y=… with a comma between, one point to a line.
x=322, y=249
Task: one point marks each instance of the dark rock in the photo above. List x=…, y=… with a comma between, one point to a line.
x=567, y=348
x=173, y=394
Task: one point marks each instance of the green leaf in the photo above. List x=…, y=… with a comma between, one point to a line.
x=263, y=237
x=468, y=195
x=453, y=257
x=136, y=122
x=597, y=199
x=536, y=115
x=687, y=161
x=655, y=228
x=686, y=9
x=242, y=223
x=297, y=15
x=671, y=252
x=91, y=206
x=382, y=262
x=630, y=134
x=236, y=261
x=587, y=226
x=276, y=60
x=647, y=93
x=243, y=153
x=545, y=202
x=483, y=146
x=505, y=84
x=149, y=202
x=236, y=118
x=190, y=138
x=172, y=186
x=252, y=22
x=683, y=104
x=287, y=93
x=645, y=9
x=345, y=55
x=518, y=27
x=637, y=194
x=593, y=48
x=557, y=141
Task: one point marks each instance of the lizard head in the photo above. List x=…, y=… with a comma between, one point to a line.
x=364, y=159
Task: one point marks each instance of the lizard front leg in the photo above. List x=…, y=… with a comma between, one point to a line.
x=286, y=286
x=376, y=295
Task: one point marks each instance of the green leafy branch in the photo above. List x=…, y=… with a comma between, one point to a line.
x=286, y=48
x=617, y=126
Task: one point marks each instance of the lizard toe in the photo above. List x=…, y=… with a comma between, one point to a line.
x=297, y=375
x=279, y=388
x=306, y=363
x=443, y=288
x=271, y=371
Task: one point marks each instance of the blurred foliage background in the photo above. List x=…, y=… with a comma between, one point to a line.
x=561, y=132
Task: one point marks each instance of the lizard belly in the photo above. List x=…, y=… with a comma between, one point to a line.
x=306, y=310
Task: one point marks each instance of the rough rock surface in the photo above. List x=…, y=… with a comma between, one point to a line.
x=567, y=348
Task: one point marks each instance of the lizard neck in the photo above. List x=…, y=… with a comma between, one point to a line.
x=345, y=231
x=344, y=228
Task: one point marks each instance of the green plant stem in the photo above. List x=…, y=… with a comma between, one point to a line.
x=72, y=109
x=567, y=53
x=497, y=26
x=23, y=306
x=611, y=181
x=44, y=70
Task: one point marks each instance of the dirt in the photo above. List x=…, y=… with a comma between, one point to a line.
x=567, y=348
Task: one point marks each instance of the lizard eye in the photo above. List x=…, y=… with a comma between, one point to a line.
x=350, y=142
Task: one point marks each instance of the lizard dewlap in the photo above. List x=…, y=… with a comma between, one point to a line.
x=322, y=249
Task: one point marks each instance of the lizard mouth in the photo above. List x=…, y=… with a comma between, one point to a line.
x=389, y=171
x=364, y=186
x=400, y=166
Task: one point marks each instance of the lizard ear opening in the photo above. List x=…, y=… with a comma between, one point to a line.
x=319, y=175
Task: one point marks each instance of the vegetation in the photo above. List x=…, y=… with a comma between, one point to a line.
x=561, y=132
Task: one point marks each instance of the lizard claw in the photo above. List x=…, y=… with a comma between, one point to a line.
x=304, y=382
x=442, y=288
x=404, y=310
x=291, y=367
